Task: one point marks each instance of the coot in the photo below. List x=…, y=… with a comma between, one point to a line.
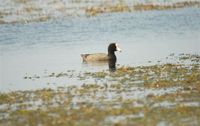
x=95, y=57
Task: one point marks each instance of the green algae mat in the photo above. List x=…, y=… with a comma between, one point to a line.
x=155, y=95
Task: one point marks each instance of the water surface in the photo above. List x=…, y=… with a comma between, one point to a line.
x=55, y=46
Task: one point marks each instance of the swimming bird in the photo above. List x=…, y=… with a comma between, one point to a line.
x=96, y=57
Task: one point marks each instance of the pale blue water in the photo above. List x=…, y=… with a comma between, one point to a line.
x=55, y=46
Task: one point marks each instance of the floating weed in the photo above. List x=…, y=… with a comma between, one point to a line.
x=193, y=58
x=46, y=95
x=121, y=6
x=21, y=1
x=32, y=77
x=5, y=98
x=116, y=86
x=69, y=73
x=61, y=74
x=159, y=84
x=51, y=75
x=30, y=12
x=99, y=74
x=164, y=94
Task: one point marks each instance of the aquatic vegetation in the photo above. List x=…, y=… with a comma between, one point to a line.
x=99, y=74
x=193, y=58
x=163, y=94
x=26, y=11
x=32, y=77
x=21, y=1
x=123, y=7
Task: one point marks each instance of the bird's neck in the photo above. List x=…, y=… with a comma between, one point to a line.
x=111, y=52
x=111, y=55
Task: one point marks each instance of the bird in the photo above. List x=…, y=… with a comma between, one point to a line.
x=97, y=57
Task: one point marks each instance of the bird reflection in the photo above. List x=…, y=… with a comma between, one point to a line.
x=112, y=65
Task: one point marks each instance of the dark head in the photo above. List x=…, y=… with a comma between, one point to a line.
x=113, y=47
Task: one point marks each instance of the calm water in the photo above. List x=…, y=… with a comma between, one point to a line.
x=55, y=46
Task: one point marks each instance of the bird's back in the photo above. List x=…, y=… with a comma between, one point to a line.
x=94, y=57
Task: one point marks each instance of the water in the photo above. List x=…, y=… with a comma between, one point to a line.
x=24, y=11
x=55, y=46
